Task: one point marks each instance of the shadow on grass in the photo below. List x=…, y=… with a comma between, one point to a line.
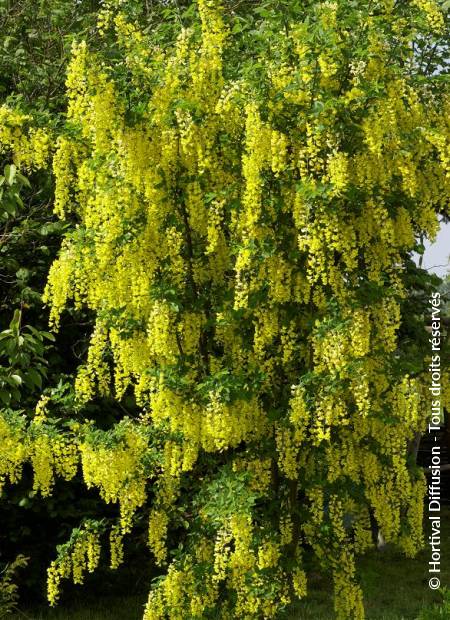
x=395, y=588
x=108, y=608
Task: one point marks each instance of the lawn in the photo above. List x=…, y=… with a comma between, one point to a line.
x=395, y=589
x=112, y=608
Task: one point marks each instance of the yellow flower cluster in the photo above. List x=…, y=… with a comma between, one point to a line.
x=362, y=529
x=13, y=453
x=338, y=171
x=157, y=533
x=228, y=424
x=285, y=529
x=299, y=582
x=259, y=470
x=221, y=554
x=31, y=147
x=96, y=369
x=287, y=448
x=268, y=555
x=51, y=456
x=80, y=554
x=433, y=13
x=116, y=546
x=117, y=471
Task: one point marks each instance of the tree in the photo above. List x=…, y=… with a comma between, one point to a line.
x=246, y=198
x=35, y=38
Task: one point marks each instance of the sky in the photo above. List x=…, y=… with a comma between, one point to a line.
x=436, y=255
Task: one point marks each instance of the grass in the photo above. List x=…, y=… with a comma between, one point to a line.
x=395, y=588
x=110, y=608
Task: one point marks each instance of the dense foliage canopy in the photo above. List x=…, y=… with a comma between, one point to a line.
x=243, y=186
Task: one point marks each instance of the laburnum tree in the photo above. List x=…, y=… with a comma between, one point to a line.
x=244, y=189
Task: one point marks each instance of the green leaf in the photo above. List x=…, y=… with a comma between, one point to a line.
x=5, y=396
x=18, y=199
x=20, y=177
x=15, y=322
x=34, y=378
x=10, y=173
x=9, y=207
x=48, y=336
